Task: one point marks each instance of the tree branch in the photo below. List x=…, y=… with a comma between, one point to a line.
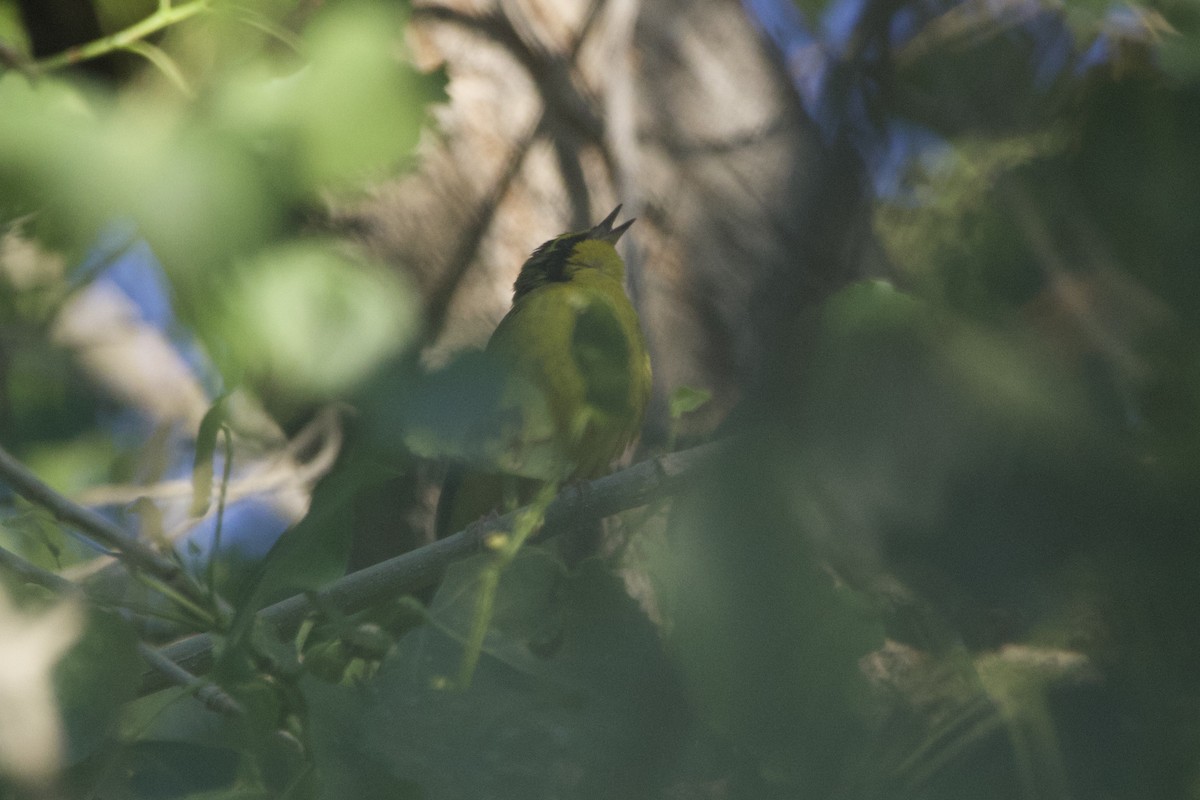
x=210, y=695
x=89, y=523
x=574, y=510
x=133, y=554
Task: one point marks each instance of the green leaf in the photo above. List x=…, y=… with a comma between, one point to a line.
x=767, y=641
x=314, y=551
x=354, y=109
x=95, y=679
x=572, y=698
x=202, y=463
x=80, y=161
x=312, y=323
x=164, y=769
x=687, y=399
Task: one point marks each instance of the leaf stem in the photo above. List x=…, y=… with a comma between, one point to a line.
x=528, y=520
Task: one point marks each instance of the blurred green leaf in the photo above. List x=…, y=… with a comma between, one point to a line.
x=203, y=460
x=117, y=14
x=162, y=732
x=312, y=323
x=962, y=246
x=767, y=640
x=94, y=681
x=439, y=414
x=572, y=698
x=314, y=551
x=348, y=765
x=12, y=32
x=353, y=110
x=160, y=770
x=686, y=399
x=80, y=162
x=475, y=411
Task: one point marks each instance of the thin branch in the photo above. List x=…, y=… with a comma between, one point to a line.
x=59, y=585
x=261, y=22
x=35, y=574
x=91, y=524
x=279, y=471
x=211, y=696
x=525, y=526
x=164, y=17
x=575, y=510
x=141, y=560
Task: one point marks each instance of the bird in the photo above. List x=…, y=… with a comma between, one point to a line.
x=575, y=377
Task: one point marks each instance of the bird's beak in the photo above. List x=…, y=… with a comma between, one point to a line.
x=606, y=232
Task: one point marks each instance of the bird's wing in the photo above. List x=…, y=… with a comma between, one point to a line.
x=600, y=349
x=609, y=355
x=578, y=344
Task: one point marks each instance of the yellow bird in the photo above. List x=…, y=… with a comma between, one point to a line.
x=576, y=375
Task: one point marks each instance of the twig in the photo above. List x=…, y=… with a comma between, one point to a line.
x=574, y=510
x=142, y=561
x=277, y=473
x=281, y=471
x=35, y=574
x=562, y=96
x=211, y=696
x=95, y=527
x=164, y=17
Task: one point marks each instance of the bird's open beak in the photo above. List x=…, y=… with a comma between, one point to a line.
x=606, y=231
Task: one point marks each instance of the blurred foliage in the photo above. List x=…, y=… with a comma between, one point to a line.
x=307, y=322
x=949, y=550
x=213, y=172
x=572, y=698
x=241, y=121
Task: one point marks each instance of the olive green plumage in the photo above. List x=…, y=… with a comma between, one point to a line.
x=577, y=374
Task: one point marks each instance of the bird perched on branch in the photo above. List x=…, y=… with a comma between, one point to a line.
x=576, y=376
